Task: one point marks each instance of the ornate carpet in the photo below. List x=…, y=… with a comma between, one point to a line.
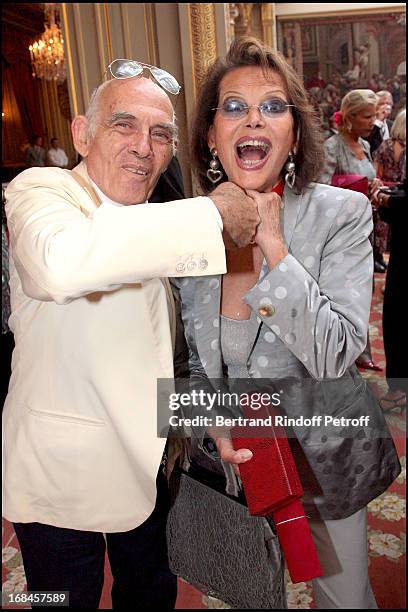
x=386, y=528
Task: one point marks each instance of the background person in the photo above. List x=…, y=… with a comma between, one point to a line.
x=393, y=210
x=382, y=123
x=91, y=316
x=390, y=157
x=294, y=304
x=56, y=156
x=348, y=153
x=35, y=154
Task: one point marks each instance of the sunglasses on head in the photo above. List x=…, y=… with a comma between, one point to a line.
x=126, y=69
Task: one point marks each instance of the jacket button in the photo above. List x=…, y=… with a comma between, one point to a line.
x=191, y=266
x=180, y=267
x=203, y=264
x=266, y=311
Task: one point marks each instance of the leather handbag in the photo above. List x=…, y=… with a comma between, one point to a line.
x=216, y=546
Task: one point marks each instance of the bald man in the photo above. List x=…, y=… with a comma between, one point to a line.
x=91, y=314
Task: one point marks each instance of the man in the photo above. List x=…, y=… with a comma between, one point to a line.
x=56, y=156
x=90, y=315
x=35, y=154
x=382, y=123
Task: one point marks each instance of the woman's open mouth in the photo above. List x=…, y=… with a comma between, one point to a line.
x=252, y=153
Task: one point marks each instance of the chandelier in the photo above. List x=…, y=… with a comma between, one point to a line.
x=47, y=54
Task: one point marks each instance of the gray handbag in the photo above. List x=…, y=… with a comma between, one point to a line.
x=215, y=545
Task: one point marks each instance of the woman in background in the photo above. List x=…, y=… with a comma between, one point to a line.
x=348, y=153
x=390, y=157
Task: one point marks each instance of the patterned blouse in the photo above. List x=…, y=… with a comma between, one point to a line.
x=393, y=170
x=339, y=159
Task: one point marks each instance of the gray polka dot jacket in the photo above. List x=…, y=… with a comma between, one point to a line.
x=309, y=323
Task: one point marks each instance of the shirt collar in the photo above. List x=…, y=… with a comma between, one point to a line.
x=104, y=198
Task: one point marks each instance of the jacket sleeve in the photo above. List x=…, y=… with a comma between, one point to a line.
x=61, y=253
x=324, y=321
x=330, y=160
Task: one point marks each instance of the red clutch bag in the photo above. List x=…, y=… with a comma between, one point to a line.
x=355, y=182
x=272, y=486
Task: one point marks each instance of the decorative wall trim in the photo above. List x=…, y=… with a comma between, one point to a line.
x=81, y=52
x=203, y=39
x=126, y=29
x=69, y=60
x=268, y=24
x=151, y=35
x=391, y=8
x=104, y=45
x=108, y=33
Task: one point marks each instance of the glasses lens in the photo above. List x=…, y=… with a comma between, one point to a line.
x=124, y=69
x=269, y=108
x=234, y=109
x=166, y=80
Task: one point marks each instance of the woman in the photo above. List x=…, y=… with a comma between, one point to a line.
x=296, y=303
x=348, y=153
x=390, y=157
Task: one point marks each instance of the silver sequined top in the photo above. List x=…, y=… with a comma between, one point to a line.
x=235, y=345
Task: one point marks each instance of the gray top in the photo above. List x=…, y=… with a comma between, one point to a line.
x=309, y=322
x=339, y=159
x=235, y=345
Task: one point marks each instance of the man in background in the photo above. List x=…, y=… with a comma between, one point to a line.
x=56, y=156
x=35, y=154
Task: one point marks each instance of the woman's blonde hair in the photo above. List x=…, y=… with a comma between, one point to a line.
x=398, y=130
x=353, y=102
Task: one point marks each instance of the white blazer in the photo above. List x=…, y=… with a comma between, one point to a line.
x=90, y=316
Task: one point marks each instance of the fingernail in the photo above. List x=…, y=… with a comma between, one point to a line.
x=246, y=454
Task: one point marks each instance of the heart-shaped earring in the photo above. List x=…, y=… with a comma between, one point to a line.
x=213, y=172
x=290, y=167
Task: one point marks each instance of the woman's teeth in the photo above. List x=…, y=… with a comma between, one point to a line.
x=252, y=151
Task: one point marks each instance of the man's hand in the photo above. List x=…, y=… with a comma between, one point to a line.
x=269, y=236
x=239, y=214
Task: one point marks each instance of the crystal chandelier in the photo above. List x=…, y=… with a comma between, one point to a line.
x=47, y=54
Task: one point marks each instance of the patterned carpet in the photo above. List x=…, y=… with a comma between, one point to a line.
x=386, y=530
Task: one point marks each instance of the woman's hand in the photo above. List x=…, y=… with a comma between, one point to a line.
x=373, y=190
x=269, y=236
x=226, y=451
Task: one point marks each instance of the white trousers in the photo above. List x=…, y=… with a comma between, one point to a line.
x=343, y=552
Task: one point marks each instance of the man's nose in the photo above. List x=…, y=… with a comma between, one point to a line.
x=254, y=117
x=141, y=144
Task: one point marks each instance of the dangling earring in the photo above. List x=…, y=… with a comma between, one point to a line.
x=213, y=172
x=290, y=175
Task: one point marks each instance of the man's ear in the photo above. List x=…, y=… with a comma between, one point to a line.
x=79, y=129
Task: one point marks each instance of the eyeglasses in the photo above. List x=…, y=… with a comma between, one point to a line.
x=126, y=69
x=236, y=109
